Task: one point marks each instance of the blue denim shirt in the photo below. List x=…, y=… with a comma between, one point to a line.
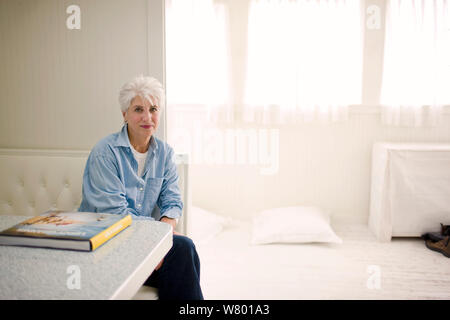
x=111, y=183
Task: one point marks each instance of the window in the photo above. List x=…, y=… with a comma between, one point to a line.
x=416, y=72
x=197, y=56
x=304, y=60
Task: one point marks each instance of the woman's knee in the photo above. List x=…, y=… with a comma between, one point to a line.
x=185, y=247
x=183, y=243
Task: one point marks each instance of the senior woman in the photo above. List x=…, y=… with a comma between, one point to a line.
x=131, y=172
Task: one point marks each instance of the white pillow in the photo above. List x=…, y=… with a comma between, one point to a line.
x=203, y=225
x=292, y=225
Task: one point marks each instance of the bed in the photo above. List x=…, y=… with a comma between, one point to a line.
x=359, y=268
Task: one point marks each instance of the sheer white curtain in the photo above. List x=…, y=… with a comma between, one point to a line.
x=304, y=60
x=197, y=59
x=416, y=72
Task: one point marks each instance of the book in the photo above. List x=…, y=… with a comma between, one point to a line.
x=83, y=231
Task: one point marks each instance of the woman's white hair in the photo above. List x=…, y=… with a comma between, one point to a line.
x=143, y=87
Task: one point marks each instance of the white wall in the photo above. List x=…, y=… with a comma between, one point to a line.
x=327, y=166
x=59, y=87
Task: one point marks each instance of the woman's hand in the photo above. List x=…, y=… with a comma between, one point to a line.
x=170, y=221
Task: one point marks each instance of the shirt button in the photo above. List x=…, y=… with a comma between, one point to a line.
x=141, y=189
x=139, y=205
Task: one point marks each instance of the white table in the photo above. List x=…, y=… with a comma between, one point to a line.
x=410, y=189
x=116, y=270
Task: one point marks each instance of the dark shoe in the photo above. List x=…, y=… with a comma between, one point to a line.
x=445, y=230
x=436, y=236
x=441, y=246
x=432, y=236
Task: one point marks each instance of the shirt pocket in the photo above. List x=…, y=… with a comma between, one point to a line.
x=153, y=187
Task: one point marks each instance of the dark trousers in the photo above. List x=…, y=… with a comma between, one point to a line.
x=179, y=276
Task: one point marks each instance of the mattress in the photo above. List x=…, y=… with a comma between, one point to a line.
x=359, y=268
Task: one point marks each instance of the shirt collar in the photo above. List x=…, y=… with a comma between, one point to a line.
x=123, y=140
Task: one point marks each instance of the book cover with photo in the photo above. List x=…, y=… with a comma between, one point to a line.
x=83, y=231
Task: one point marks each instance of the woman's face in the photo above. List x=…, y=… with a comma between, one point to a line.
x=142, y=117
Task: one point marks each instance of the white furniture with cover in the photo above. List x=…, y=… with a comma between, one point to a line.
x=410, y=189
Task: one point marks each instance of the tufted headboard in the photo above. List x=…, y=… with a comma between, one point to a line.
x=34, y=181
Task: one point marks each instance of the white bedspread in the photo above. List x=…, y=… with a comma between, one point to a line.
x=231, y=268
